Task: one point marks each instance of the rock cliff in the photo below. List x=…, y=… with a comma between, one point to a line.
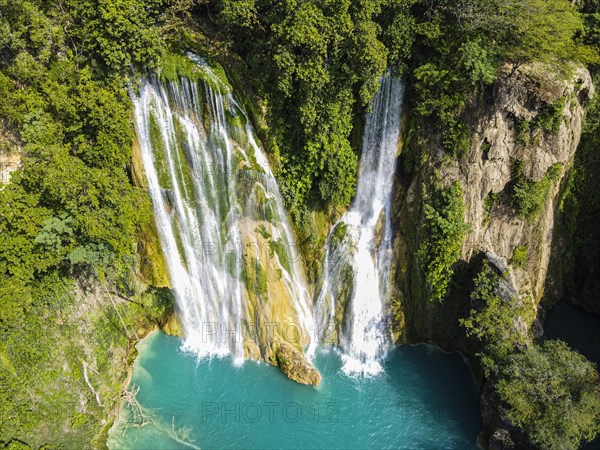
x=526, y=129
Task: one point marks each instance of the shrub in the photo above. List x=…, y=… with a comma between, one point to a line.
x=440, y=238
x=492, y=319
x=550, y=116
x=519, y=256
x=529, y=197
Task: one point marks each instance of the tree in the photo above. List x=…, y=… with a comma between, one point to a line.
x=398, y=31
x=493, y=319
x=552, y=392
x=541, y=30
x=117, y=33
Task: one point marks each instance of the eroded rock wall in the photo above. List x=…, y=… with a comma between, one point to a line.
x=508, y=129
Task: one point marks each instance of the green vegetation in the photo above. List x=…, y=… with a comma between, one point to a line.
x=315, y=63
x=278, y=247
x=115, y=34
x=70, y=213
x=255, y=276
x=172, y=66
x=488, y=205
x=519, y=256
x=549, y=390
x=338, y=234
x=540, y=31
x=577, y=232
x=552, y=392
x=460, y=48
x=529, y=197
x=492, y=320
x=440, y=238
x=548, y=119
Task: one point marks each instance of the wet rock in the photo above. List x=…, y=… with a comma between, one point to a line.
x=379, y=228
x=296, y=366
x=172, y=327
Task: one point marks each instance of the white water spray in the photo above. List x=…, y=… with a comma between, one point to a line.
x=212, y=189
x=352, y=301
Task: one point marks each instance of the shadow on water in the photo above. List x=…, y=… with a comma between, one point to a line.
x=448, y=391
x=577, y=328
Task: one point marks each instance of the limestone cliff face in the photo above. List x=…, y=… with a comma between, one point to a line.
x=508, y=130
x=521, y=99
x=526, y=129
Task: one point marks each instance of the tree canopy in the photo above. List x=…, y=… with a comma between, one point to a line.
x=553, y=393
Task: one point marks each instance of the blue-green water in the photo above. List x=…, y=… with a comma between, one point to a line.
x=424, y=399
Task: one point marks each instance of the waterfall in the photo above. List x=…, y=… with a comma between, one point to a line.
x=229, y=249
x=352, y=303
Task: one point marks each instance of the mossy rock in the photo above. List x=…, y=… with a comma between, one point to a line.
x=137, y=166
x=152, y=268
x=174, y=66
x=338, y=234
x=295, y=365
x=173, y=327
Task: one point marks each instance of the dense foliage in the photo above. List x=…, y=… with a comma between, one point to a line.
x=441, y=236
x=72, y=203
x=315, y=63
x=494, y=318
x=579, y=247
x=553, y=393
x=529, y=197
x=519, y=256
x=549, y=390
x=71, y=209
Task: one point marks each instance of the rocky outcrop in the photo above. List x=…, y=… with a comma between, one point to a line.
x=219, y=216
x=295, y=365
x=525, y=131
x=508, y=130
x=497, y=144
x=274, y=331
x=172, y=326
x=499, y=434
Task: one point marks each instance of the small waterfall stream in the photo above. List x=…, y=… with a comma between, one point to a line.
x=351, y=304
x=228, y=245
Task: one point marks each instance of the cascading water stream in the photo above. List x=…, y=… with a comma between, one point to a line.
x=223, y=229
x=351, y=304
x=216, y=206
